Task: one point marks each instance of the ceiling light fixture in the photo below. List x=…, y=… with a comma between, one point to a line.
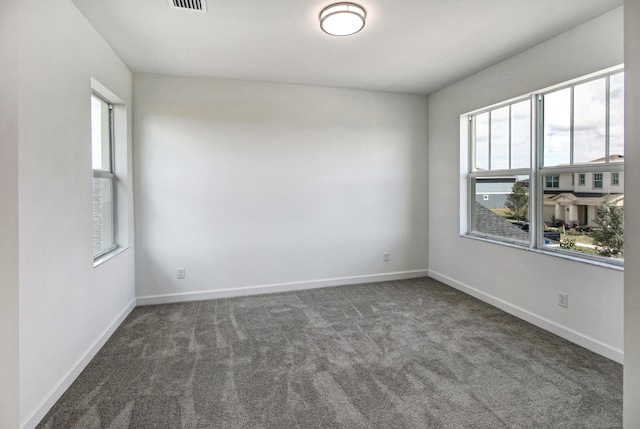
x=342, y=19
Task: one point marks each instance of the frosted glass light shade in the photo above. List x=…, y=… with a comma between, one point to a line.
x=342, y=19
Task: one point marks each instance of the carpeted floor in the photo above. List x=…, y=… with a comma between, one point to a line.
x=402, y=354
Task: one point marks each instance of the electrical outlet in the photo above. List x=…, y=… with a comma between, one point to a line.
x=181, y=273
x=563, y=299
x=386, y=257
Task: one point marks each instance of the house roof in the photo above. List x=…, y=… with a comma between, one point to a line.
x=487, y=222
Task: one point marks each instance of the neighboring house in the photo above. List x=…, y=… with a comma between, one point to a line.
x=571, y=198
x=574, y=197
x=492, y=192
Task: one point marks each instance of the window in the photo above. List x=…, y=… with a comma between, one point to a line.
x=501, y=164
x=597, y=180
x=541, y=142
x=552, y=181
x=104, y=207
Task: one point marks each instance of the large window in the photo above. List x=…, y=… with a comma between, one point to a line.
x=526, y=155
x=104, y=210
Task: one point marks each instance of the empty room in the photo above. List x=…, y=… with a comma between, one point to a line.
x=307, y=214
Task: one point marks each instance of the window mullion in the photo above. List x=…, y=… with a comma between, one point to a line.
x=489, y=145
x=510, y=132
x=571, y=124
x=101, y=174
x=607, y=132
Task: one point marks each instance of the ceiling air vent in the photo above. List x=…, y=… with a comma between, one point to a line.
x=198, y=5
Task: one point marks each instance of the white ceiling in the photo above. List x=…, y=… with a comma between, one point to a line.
x=415, y=46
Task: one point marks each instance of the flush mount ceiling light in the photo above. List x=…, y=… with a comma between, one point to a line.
x=342, y=19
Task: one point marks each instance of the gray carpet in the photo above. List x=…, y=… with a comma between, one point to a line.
x=403, y=354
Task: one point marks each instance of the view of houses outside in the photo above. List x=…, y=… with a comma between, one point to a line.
x=579, y=158
x=571, y=204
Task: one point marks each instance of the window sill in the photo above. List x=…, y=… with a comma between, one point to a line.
x=107, y=256
x=554, y=253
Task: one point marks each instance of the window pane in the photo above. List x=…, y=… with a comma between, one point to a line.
x=597, y=180
x=521, y=134
x=616, y=117
x=100, y=134
x=557, y=126
x=589, y=121
x=501, y=208
x=552, y=181
x=500, y=138
x=482, y=142
x=103, y=214
x=590, y=223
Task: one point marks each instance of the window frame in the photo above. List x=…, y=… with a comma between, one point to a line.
x=538, y=171
x=598, y=178
x=552, y=181
x=615, y=178
x=111, y=176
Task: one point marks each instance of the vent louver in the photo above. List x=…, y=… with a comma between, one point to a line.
x=198, y=5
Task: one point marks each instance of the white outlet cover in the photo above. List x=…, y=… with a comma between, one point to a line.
x=181, y=273
x=563, y=299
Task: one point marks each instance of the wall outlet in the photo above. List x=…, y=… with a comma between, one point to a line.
x=386, y=257
x=181, y=273
x=563, y=299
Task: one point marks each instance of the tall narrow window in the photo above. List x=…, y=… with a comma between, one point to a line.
x=104, y=227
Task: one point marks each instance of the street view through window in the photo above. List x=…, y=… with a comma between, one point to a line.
x=547, y=171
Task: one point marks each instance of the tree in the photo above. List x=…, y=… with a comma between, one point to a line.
x=610, y=236
x=518, y=202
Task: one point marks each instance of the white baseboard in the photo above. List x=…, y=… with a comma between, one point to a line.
x=541, y=322
x=278, y=287
x=75, y=371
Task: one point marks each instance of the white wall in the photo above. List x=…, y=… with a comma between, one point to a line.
x=523, y=282
x=632, y=223
x=9, y=383
x=66, y=306
x=268, y=186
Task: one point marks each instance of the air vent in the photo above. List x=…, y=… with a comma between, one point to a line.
x=197, y=5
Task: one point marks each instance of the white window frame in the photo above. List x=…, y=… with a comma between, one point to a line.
x=598, y=178
x=552, y=181
x=109, y=175
x=615, y=179
x=538, y=171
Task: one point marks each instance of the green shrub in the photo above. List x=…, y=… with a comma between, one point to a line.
x=568, y=244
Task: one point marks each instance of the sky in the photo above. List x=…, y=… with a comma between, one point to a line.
x=503, y=134
x=99, y=116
